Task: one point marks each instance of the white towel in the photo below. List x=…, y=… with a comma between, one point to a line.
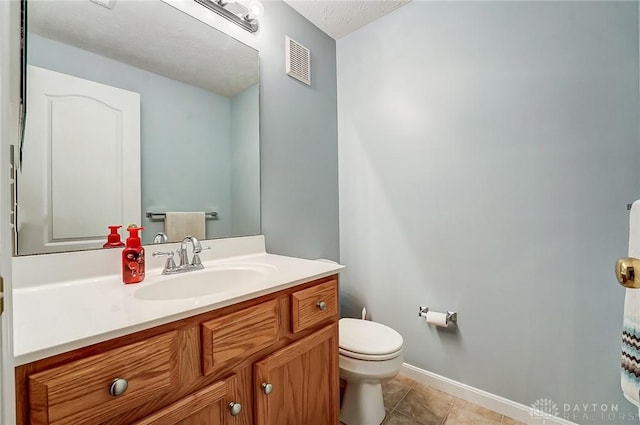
x=630, y=375
x=177, y=225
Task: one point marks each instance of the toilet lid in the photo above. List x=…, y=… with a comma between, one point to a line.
x=367, y=337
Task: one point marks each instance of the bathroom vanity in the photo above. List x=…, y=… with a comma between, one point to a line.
x=264, y=352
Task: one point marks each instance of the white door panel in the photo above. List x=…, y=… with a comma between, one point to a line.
x=81, y=169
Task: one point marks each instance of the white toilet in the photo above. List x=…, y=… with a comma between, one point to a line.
x=370, y=354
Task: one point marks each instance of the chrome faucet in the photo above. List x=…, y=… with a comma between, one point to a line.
x=185, y=265
x=160, y=238
x=184, y=257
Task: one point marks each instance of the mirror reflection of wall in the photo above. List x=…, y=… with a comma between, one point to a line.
x=199, y=118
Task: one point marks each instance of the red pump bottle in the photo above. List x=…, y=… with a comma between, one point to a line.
x=113, y=239
x=133, y=257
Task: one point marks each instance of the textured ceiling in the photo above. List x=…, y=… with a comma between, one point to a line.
x=153, y=36
x=339, y=18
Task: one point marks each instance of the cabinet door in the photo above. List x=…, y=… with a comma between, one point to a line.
x=208, y=406
x=302, y=380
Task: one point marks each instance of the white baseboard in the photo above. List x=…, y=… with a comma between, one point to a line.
x=505, y=407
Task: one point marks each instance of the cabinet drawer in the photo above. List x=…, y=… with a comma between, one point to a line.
x=205, y=406
x=230, y=339
x=314, y=305
x=78, y=392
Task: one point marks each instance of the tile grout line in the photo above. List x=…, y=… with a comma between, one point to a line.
x=393, y=409
x=411, y=417
x=413, y=386
x=448, y=411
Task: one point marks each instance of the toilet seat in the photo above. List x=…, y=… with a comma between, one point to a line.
x=369, y=357
x=366, y=340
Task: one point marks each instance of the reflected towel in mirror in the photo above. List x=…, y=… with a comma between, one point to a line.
x=177, y=225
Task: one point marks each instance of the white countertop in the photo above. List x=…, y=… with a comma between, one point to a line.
x=54, y=318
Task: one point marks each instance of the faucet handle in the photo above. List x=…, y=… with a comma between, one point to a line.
x=169, y=265
x=196, y=258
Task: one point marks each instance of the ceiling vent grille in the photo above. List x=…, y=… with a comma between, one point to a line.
x=298, y=61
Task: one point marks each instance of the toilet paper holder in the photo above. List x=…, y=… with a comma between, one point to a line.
x=452, y=316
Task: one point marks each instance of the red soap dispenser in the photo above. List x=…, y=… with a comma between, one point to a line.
x=133, y=257
x=113, y=239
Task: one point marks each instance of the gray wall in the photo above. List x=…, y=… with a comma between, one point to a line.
x=245, y=162
x=177, y=122
x=298, y=140
x=487, y=153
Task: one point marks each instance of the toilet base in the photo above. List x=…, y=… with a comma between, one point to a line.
x=362, y=404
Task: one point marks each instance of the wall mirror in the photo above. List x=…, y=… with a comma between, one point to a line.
x=133, y=107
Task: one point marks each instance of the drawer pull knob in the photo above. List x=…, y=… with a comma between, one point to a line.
x=118, y=387
x=267, y=388
x=235, y=408
x=322, y=305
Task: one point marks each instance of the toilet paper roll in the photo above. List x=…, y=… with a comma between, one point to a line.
x=438, y=319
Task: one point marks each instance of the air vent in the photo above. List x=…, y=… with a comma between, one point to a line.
x=298, y=61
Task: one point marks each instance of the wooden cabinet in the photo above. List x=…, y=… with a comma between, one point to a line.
x=230, y=338
x=195, y=370
x=211, y=406
x=297, y=384
x=147, y=368
x=313, y=305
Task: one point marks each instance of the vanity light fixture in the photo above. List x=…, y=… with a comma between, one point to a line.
x=242, y=12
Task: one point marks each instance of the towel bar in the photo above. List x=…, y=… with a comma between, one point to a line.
x=161, y=216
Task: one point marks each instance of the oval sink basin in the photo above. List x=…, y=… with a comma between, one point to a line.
x=204, y=282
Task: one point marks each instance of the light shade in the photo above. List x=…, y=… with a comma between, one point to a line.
x=256, y=10
x=247, y=18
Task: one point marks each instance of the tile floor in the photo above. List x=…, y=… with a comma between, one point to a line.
x=410, y=403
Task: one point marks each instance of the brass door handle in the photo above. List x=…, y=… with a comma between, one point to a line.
x=628, y=272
